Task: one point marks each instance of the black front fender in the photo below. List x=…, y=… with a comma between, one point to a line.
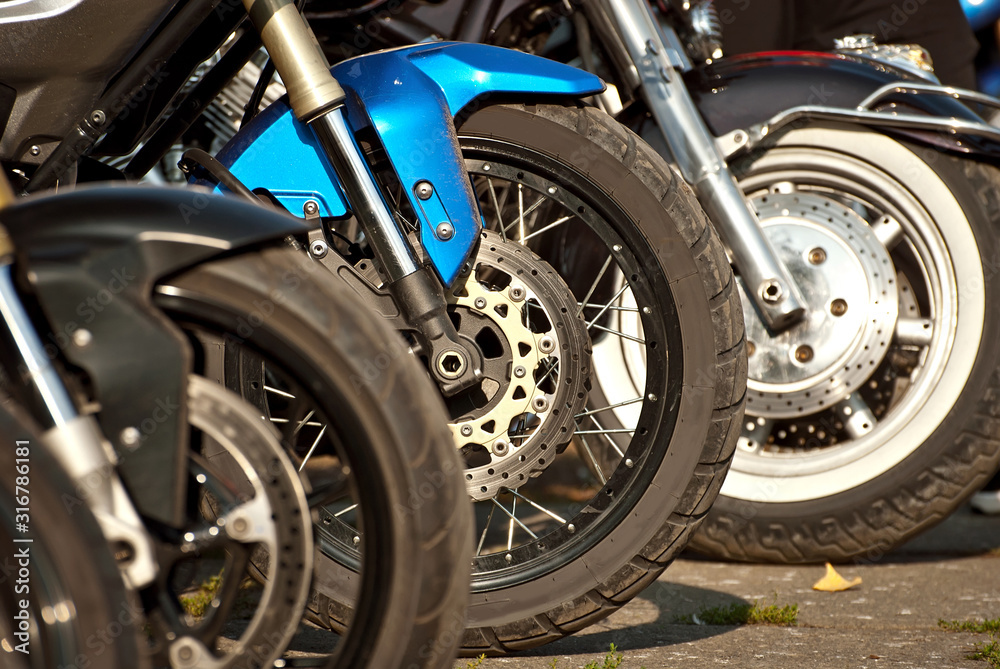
x=92, y=257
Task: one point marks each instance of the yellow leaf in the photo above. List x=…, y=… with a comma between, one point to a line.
x=834, y=582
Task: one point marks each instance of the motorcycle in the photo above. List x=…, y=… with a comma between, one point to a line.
x=429, y=226
x=112, y=313
x=856, y=198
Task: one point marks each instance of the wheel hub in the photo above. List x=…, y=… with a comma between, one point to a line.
x=848, y=281
x=536, y=366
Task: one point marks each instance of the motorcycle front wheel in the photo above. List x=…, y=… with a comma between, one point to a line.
x=874, y=418
x=375, y=435
x=613, y=259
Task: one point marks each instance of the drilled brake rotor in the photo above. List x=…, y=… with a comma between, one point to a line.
x=523, y=317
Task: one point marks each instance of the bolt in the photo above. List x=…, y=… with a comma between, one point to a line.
x=500, y=447
x=240, y=526
x=771, y=291
x=444, y=231
x=540, y=404
x=547, y=344
x=629, y=463
x=82, y=338
x=98, y=118
x=617, y=248
x=520, y=371
x=552, y=190
x=571, y=528
x=817, y=256
x=318, y=248
x=479, y=303
x=804, y=353
x=357, y=540
x=35, y=150
x=508, y=557
x=647, y=310
x=466, y=430
x=651, y=397
x=310, y=208
x=486, y=167
x=185, y=653
x=130, y=437
x=738, y=137
x=451, y=364
x=838, y=307
x=423, y=189
x=517, y=293
x=751, y=348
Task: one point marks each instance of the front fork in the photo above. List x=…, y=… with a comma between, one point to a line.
x=703, y=166
x=317, y=98
x=75, y=441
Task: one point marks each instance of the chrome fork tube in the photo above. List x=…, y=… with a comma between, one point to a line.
x=317, y=99
x=703, y=166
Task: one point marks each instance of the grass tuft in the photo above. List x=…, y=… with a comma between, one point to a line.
x=991, y=626
x=197, y=603
x=611, y=661
x=739, y=613
x=988, y=651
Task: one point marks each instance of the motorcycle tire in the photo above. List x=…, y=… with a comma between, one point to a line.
x=390, y=434
x=624, y=202
x=851, y=479
x=78, y=610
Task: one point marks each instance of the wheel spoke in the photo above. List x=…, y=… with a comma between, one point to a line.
x=313, y=447
x=303, y=422
x=482, y=537
x=608, y=408
x=620, y=334
x=593, y=305
x=611, y=441
x=593, y=286
x=525, y=212
x=513, y=519
x=914, y=331
x=496, y=207
x=541, y=508
x=285, y=420
x=858, y=417
x=547, y=227
x=607, y=306
x=352, y=507
x=278, y=392
x=597, y=466
x=888, y=231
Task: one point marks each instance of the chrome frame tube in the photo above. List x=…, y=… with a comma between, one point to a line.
x=703, y=166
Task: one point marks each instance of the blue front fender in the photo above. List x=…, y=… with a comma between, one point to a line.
x=410, y=97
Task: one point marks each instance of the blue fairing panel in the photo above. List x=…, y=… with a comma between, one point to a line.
x=410, y=97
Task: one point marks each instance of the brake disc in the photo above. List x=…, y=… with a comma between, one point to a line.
x=848, y=281
x=536, y=352
x=252, y=500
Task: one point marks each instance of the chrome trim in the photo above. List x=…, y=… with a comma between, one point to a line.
x=963, y=94
x=20, y=11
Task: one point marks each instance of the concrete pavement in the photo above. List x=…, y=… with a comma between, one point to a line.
x=890, y=620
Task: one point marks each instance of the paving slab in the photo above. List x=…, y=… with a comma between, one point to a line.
x=890, y=620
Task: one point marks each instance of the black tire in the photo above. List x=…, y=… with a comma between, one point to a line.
x=391, y=433
x=69, y=563
x=936, y=439
x=636, y=208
